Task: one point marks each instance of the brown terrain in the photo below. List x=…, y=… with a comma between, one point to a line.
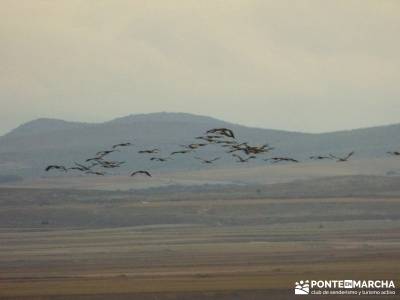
x=70, y=244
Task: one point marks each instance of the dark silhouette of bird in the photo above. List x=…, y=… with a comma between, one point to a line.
x=223, y=137
x=193, y=146
x=81, y=167
x=76, y=168
x=161, y=159
x=222, y=131
x=180, y=152
x=94, y=159
x=243, y=160
x=150, y=151
x=248, y=150
x=208, y=139
x=342, y=159
x=101, y=154
x=225, y=145
x=105, y=152
x=95, y=173
x=214, y=137
x=320, y=157
x=110, y=164
x=394, y=153
x=141, y=172
x=121, y=145
x=207, y=161
x=56, y=167
x=257, y=149
x=238, y=147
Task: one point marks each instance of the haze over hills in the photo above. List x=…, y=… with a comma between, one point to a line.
x=26, y=150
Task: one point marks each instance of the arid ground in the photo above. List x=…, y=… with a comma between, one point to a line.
x=63, y=244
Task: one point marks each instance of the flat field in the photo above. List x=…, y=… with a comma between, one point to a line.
x=112, y=247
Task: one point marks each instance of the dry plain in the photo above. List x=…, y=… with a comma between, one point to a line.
x=62, y=244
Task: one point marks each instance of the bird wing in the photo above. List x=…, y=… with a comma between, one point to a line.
x=141, y=172
x=229, y=133
x=81, y=166
x=349, y=155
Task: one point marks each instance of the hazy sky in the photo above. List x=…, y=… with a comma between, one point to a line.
x=298, y=65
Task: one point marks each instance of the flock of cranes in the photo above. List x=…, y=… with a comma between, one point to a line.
x=224, y=137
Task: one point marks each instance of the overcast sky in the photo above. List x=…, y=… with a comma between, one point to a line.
x=298, y=65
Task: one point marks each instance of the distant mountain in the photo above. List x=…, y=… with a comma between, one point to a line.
x=43, y=125
x=165, y=117
x=26, y=150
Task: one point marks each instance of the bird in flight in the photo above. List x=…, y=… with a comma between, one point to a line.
x=180, y=152
x=247, y=149
x=207, y=161
x=100, y=155
x=110, y=164
x=222, y=131
x=193, y=146
x=243, y=160
x=162, y=159
x=94, y=158
x=141, y=172
x=106, y=152
x=320, y=157
x=150, y=151
x=223, y=137
x=342, y=159
x=394, y=153
x=95, y=173
x=257, y=149
x=56, y=167
x=121, y=145
x=208, y=139
x=81, y=167
x=238, y=147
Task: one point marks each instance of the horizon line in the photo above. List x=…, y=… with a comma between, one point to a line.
x=199, y=115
